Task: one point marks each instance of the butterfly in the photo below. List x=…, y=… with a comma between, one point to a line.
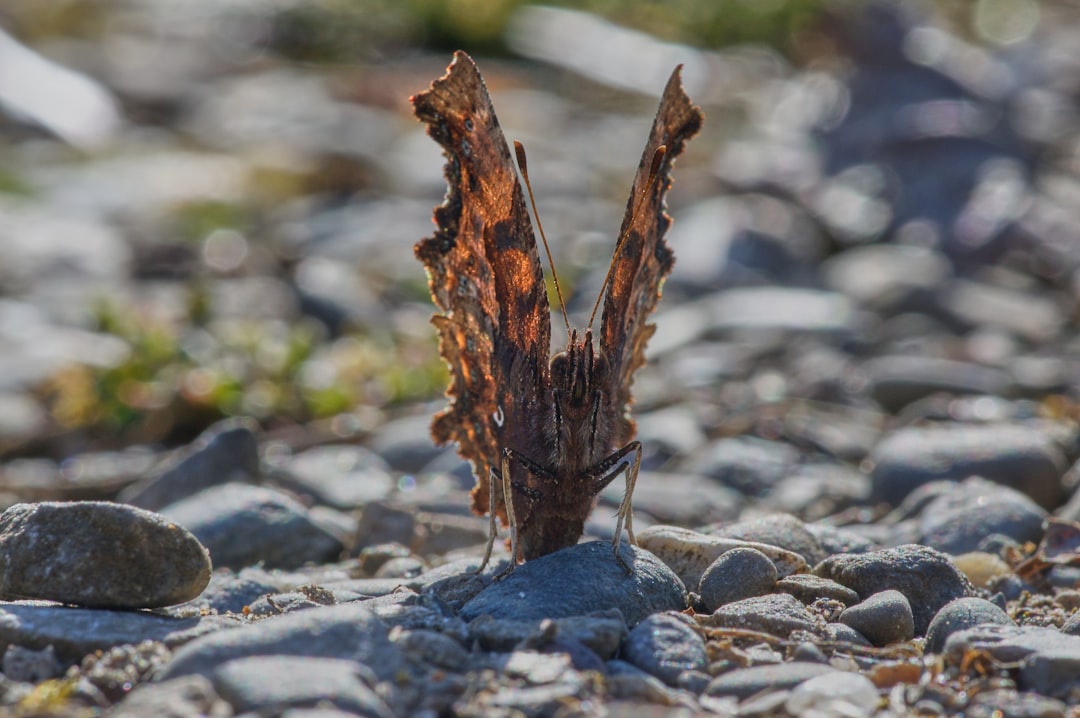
x=544, y=435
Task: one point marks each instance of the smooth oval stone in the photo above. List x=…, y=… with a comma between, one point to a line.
x=689, y=553
x=737, y=574
x=581, y=579
x=783, y=530
x=745, y=682
x=961, y=614
x=925, y=576
x=99, y=554
x=883, y=618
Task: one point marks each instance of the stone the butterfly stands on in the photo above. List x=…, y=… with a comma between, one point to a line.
x=544, y=438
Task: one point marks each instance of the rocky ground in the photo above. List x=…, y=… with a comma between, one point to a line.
x=860, y=412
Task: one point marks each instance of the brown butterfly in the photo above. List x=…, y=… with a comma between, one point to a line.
x=544, y=438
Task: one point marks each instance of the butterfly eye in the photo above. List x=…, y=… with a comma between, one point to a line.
x=600, y=369
x=560, y=368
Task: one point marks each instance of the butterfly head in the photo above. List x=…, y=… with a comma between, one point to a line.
x=578, y=372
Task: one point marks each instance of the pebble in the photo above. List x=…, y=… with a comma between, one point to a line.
x=779, y=614
x=666, y=646
x=601, y=631
x=808, y=588
x=883, y=617
x=839, y=693
x=735, y=575
x=76, y=632
x=227, y=451
x=341, y=477
x=272, y=684
x=1016, y=456
x=926, y=577
x=579, y=580
x=747, y=464
x=185, y=697
x=962, y=514
x=243, y=525
x=347, y=631
x=961, y=614
x=783, y=530
x=742, y=683
x=1006, y=702
x=98, y=554
x=897, y=381
x=688, y=553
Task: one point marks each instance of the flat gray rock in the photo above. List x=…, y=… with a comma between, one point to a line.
x=579, y=580
x=744, y=682
x=665, y=645
x=227, y=451
x=187, y=697
x=98, y=554
x=779, y=614
x=1014, y=455
x=270, y=684
x=76, y=632
x=348, y=631
x=243, y=525
x=927, y=578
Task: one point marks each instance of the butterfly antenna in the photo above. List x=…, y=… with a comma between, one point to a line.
x=654, y=174
x=519, y=150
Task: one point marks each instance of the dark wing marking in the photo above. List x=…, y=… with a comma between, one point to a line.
x=644, y=259
x=485, y=275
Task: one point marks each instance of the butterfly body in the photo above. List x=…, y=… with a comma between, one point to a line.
x=544, y=437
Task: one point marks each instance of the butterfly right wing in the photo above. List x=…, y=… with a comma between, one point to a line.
x=485, y=275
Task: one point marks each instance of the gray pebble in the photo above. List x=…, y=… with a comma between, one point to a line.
x=601, y=631
x=808, y=588
x=961, y=614
x=744, y=682
x=840, y=693
x=270, y=684
x=432, y=647
x=348, y=631
x=896, y=381
x=884, y=618
x=1007, y=643
x=1054, y=673
x=342, y=477
x=227, y=451
x=847, y=634
x=778, y=614
x=1015, y=704
x=925, y=576
x=98, y=554
x=1018, y=456
x=243, y=525
x=747, y=464
x=783, y=530
x=579, y=580
x=959, y=517
x=738, y=574
x=665, y=645
x=186, y=697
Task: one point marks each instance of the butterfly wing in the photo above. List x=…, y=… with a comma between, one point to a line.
x=644, y=259
x=485, y=275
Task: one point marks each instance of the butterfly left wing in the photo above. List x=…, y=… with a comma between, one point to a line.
x=643, y=259
x=485, y=275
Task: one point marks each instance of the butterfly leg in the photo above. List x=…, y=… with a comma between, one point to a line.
x=493, y=523
x=605, y=473
x=509, y=500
